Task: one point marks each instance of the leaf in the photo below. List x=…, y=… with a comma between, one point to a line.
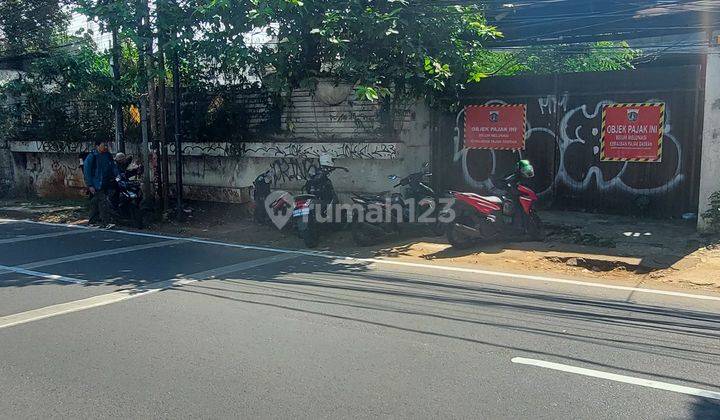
x=371, y=94
x=477, y=76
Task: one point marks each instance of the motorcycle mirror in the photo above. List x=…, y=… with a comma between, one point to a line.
x=392, y=177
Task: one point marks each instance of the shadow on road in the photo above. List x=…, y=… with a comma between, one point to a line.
x=350, y=293
x=705, y=409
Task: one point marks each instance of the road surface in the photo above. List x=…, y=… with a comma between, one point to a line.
x=97, y=324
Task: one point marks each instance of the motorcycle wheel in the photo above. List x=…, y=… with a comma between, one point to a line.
x=308, y=232
x=456, y=238
x=311, y=238
x=535, y=229
x=259, y=213
x=438, y=228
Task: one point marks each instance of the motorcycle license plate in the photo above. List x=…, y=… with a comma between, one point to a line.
x=301, y=212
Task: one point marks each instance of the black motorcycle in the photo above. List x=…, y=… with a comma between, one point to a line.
x=126, y=202
x=261, y=191
x=385, y=213
x=318, y=196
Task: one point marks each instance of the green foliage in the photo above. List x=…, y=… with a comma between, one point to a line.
x=712, y=216
x=30, y=26
x=393, y=51
x=599, y=56
x=65, y=96
x=407, y=48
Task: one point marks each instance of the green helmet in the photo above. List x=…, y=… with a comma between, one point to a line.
x=526, y=169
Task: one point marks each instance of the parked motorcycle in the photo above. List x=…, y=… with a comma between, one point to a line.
x=261, y=191
x=510, y=211
x=319, y=195
x=126, y=202
x=419, y=206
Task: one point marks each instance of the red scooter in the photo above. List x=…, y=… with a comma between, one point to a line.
x=508, y=212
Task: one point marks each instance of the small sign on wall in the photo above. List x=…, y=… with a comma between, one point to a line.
x=499, y=127
x=632, y=132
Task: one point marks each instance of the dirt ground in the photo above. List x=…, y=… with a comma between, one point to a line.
x=628, y=251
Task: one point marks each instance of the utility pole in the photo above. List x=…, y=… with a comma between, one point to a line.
x=178, y=140
x=162, y=127
x=162, y=16
x=142, y=77
x=117, y=107
x=150, y=66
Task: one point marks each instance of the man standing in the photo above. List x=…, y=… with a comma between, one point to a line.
x=100, y=170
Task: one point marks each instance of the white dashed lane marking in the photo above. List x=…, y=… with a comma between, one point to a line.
x=619, y=378
x=42, y=236
x=122, y=295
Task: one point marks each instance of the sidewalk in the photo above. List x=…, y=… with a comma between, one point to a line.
x=612, y=248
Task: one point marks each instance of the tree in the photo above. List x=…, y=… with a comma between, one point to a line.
x=64, y=98
x=599, y=56
x=389, y=48
x=31, y=26
x=403, y=49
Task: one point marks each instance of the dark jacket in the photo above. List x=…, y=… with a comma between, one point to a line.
x=99, y=170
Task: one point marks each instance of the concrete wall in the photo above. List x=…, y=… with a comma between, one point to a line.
x=234, y=167
x=224, y=172
x=7, y=177
x=710, y=162
x=7, y=174
x=46, y=169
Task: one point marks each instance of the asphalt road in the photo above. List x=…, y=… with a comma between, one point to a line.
x=98, y=324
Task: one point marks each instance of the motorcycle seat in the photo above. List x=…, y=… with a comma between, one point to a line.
x=491, y=198
x=372, y=197
x=305, y=197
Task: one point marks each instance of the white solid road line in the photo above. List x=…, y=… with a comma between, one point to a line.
x=41, y=236
x=121, y=295
x=4, y=269
x=321, y=254
x=619, y=378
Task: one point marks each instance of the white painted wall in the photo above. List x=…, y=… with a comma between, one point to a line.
x=710, y=160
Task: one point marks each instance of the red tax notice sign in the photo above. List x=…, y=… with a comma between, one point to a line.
x=632, y=132
x=495, y=127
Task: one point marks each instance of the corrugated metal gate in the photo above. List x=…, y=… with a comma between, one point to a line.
x=563, y=141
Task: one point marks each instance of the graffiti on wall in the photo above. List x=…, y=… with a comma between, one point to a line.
x=577, y=142
x=288, y=149
x=550, y=104
x=62, y=147
x=291, y=169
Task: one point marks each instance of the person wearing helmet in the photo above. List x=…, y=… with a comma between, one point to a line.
x=525, y=168
x=326, y=160
x=126, y=165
